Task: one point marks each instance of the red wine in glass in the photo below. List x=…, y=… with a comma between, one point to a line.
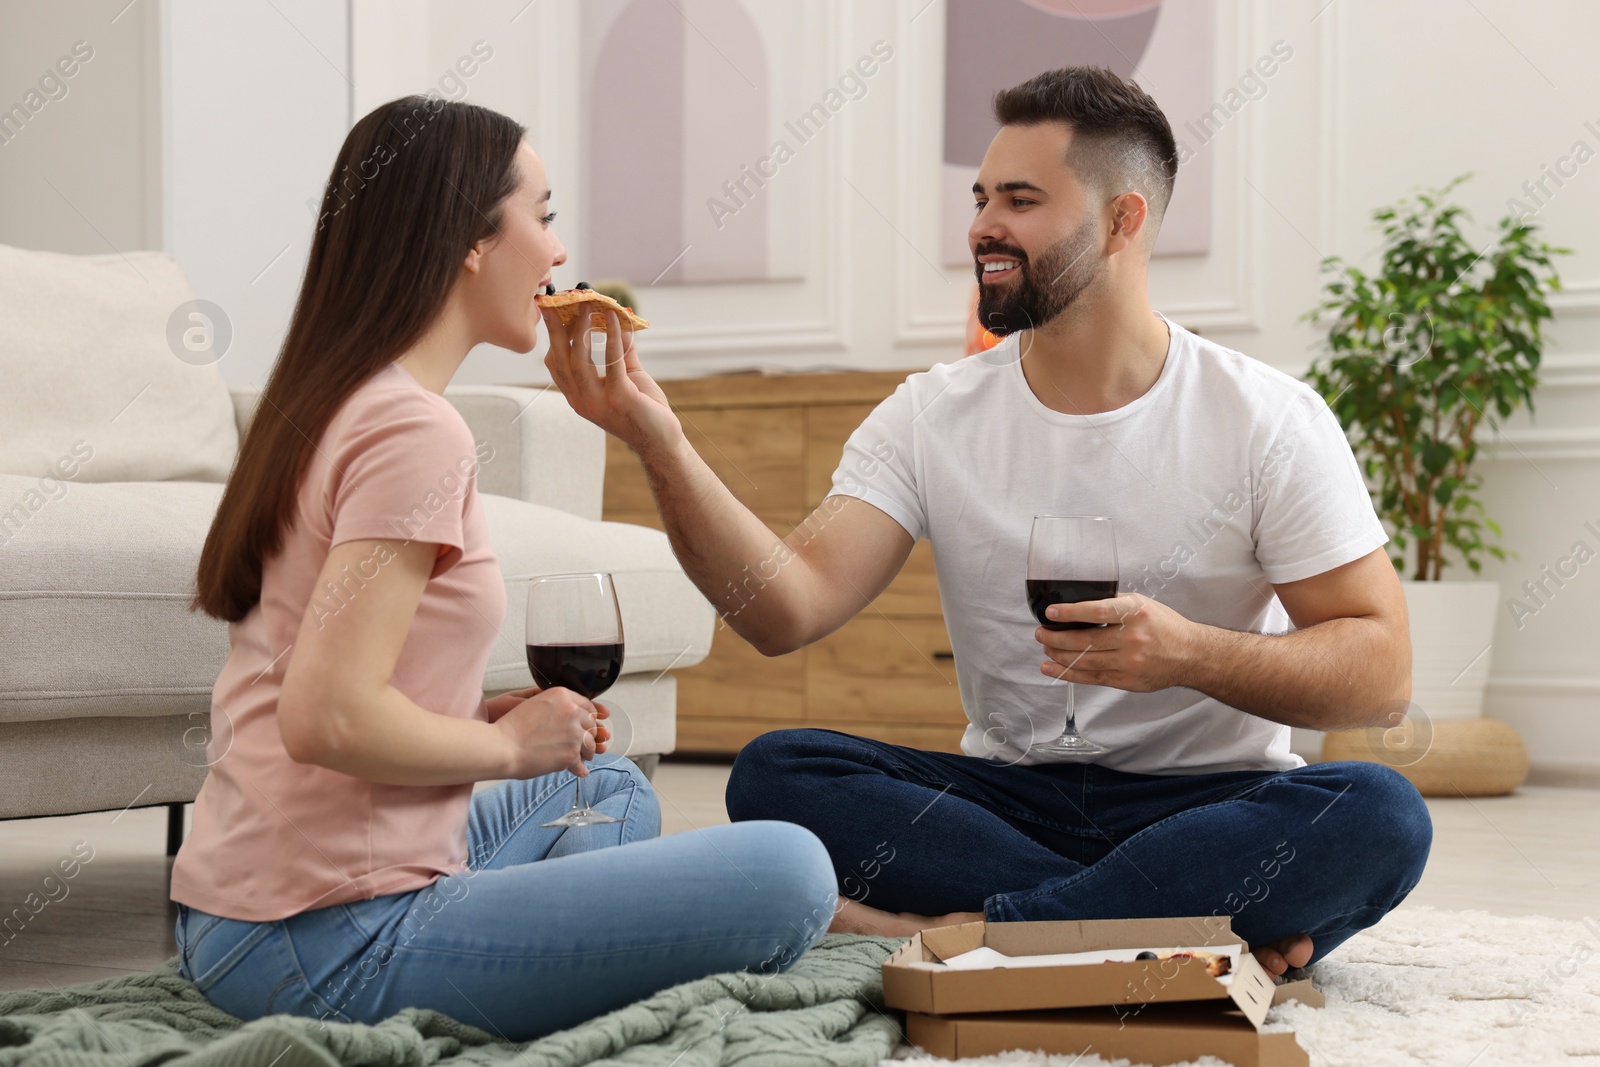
x=586, y=669
x=1042, y=592
x=574, y=639
x=1071, y=559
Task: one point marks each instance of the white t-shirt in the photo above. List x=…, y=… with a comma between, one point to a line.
x=1225, y=477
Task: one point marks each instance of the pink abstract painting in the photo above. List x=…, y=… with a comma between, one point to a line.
x=676, y=112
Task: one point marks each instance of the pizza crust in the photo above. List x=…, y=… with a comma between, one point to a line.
x=1216, y=965
x=566, y=304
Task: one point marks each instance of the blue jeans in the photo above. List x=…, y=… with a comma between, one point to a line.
x=549, y=926
x=1325, y=850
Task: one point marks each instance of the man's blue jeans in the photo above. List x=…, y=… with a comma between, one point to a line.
x=549, y=927
x=1325, y=850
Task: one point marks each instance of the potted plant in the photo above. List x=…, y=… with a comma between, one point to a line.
x=618, y=290
x=1443, y=338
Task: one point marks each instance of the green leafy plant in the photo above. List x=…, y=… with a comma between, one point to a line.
x=1441, y=339
x=618, y=290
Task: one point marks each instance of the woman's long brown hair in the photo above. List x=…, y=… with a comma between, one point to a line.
x=418, y=181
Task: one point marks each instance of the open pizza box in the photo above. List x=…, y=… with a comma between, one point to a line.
x=962, y=999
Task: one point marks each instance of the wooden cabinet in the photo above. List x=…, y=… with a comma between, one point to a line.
x=775, y=441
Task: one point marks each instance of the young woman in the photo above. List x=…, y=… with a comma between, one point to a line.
x=340, y=865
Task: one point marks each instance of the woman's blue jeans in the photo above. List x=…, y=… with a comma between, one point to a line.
x=549, y=926
x=1325, y=850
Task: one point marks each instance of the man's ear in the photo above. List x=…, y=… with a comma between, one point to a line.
x=1129, y=213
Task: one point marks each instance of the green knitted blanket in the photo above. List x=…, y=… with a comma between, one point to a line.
x=826, y=1009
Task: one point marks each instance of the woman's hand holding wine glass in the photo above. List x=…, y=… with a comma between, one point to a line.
x=575, y=647
x=553, y=730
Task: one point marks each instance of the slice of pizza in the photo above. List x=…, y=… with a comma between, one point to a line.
x=1216, y=965
x=566, y=304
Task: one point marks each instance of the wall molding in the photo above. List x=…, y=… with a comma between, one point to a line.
x=1531, y=445
x=1330, y=93
x=1557, y=374
x=153, y=89
x=1580, y=298
x=1555, y=716
x=1573, y=685
x=910, y=328
x=161, y=212
x=1580, y=370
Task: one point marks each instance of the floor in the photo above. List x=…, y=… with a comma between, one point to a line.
x=1534, y=853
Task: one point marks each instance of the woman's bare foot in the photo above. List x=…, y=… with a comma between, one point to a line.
x=856, y=918
x=1279, y=956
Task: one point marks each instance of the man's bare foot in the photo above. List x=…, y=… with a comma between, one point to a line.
x=856, y=918
x=1279, y=956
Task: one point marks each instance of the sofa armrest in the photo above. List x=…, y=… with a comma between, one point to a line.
x=543, y=451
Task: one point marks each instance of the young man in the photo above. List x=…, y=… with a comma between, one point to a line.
x=1238, y=508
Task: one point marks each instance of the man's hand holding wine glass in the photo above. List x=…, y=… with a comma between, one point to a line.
x=1138, y=644
x=550, y=730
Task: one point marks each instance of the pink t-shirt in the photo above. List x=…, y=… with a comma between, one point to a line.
x=272, y=837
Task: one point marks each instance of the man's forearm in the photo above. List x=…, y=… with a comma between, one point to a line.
x=729, y=553
x=1343, y=674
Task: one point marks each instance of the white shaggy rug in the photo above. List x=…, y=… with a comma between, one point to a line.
x=1429, y=987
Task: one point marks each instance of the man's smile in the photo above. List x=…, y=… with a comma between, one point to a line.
x=997, y=267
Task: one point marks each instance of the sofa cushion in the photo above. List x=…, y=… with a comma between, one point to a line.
x=93, y=599
x=97, y=578
x=92, y=381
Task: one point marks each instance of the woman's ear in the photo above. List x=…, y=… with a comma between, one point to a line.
x=474, y=259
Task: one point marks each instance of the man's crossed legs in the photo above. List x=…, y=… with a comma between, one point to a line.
x=1321, y=852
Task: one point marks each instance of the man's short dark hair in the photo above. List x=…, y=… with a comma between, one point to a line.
x=1121, y=140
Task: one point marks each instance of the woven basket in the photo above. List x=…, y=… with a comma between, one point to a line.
x=1480, y=757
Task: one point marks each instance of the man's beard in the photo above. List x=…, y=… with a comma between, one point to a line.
x=1047, y=287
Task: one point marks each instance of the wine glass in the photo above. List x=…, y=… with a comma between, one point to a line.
x=575, y=641
x=1071, y=559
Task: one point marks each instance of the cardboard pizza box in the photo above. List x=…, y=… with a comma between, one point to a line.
x=1149, y=1011
x=1302, y=990
x=915, y=978
x=1159, y=1034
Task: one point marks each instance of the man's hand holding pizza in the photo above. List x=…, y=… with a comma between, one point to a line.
x=624, y=401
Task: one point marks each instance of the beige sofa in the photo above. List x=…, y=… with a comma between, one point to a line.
x=105, y=677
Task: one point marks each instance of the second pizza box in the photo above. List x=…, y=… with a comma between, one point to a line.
x=963, y=1000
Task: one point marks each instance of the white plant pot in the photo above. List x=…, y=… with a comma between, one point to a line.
x=1452, y=626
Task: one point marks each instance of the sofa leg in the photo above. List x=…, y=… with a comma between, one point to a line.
x=648, y=764
x=174, y=828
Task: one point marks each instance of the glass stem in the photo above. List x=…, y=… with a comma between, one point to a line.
x=1072, y=711
x=577, y=800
